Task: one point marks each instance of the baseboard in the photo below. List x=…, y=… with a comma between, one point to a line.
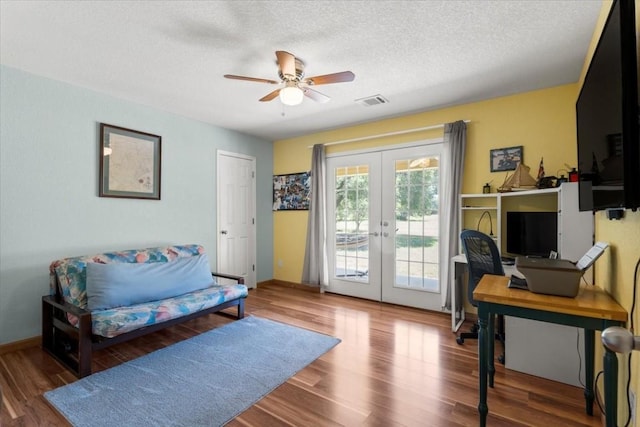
x=20, y=345
x=285, y=284
x=264, y=283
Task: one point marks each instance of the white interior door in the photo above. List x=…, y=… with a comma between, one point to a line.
x=236, y=214
x=383, y=225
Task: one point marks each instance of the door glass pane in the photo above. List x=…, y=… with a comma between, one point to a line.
x=417, y=223
x=352, y=223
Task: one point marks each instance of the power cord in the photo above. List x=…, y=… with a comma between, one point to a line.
x=604, y=414
x=631, y=328
x=579, y=358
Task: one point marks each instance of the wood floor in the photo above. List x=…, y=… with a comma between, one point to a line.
x=395, y=366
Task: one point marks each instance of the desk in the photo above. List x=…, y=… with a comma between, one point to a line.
x=593, y=309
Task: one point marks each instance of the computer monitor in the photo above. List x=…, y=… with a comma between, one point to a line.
x=532, y=233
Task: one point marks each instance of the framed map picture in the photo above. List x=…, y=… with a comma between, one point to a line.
x=129, y=163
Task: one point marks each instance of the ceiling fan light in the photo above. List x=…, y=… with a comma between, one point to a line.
x=291, y=95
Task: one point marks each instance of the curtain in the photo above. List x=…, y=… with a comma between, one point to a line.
x=455, y=140
x=315, y=270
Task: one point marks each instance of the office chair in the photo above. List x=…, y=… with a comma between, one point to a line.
x=483, y=258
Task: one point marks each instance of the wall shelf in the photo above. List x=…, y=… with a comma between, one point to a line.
x=575, y=229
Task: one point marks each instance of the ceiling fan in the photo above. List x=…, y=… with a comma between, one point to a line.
x=296, y=87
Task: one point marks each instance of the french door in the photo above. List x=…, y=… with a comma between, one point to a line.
x=383, y=225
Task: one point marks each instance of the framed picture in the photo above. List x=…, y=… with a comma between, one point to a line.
x=291, y=192
x=129, y=163
x=505, y=159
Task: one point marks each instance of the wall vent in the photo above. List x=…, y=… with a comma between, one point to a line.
x=372, y=100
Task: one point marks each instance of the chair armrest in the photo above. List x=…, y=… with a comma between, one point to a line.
x=238, y=279
x=65, y=306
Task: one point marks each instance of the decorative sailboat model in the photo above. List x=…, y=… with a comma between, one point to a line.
x=519, y=181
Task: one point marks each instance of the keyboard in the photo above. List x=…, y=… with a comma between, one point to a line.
x=508, y=260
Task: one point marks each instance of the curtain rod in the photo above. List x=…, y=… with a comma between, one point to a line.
x=380, y=135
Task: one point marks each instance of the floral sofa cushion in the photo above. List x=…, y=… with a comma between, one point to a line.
x=71, y=273
x=112, y=322
x=69, y=276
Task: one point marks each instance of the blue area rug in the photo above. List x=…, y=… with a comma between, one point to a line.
x=204, y=381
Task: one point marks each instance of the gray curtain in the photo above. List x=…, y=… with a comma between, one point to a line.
x=455, y=140
x=315, y=270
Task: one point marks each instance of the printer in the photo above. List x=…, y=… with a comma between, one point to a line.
x=557, y=276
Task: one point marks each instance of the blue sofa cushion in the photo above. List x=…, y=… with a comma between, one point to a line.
x=124, y=284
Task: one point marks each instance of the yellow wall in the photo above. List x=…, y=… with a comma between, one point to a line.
x=614, y=272
x=542, y=121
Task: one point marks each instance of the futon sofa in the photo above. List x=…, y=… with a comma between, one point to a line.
x=99, y=300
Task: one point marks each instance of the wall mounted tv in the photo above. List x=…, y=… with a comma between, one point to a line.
x=532, y=233
x=607, y=113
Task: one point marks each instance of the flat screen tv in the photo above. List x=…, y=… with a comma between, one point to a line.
x=532, y=233
x=607, y=115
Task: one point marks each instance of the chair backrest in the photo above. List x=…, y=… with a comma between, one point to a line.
x=483, y=258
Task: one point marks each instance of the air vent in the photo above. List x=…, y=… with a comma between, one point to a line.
x=372, y=100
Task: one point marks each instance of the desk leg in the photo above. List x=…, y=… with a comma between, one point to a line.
x=491, y=348
x=611, y=387
x=457, y=298
x=589, y=348
x=483, y=339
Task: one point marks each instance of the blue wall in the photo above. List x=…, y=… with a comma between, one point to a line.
x=49, y=208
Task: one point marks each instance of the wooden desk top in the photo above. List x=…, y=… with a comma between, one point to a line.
x=591, y=301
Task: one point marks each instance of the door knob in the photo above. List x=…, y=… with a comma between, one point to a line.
x=223, y=232
x=374, y=234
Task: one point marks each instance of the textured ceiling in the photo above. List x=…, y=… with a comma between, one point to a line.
x=420, y=55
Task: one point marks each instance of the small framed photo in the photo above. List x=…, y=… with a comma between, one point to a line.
x=505, y=159
x=129, y=163
x=291, y=191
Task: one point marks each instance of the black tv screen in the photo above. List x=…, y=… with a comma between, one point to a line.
x=607, y=117
x=532, y=233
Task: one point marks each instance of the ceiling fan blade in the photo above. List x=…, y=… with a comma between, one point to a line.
x=287, y=63
x=315, y=95
x=250, y=79
x=270, y=96
x=344, y=76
